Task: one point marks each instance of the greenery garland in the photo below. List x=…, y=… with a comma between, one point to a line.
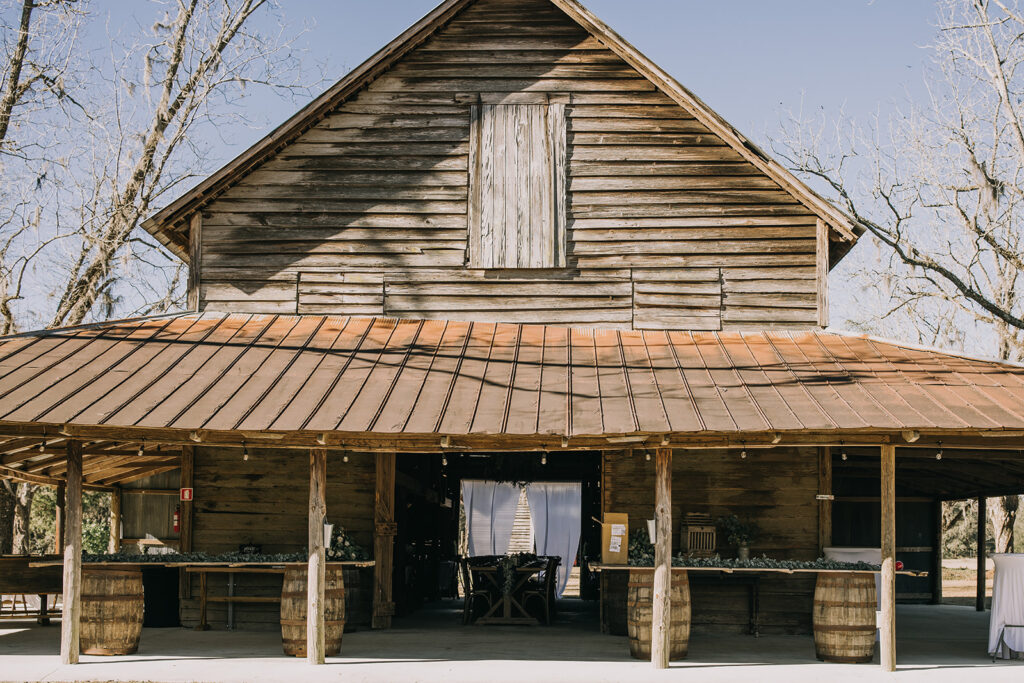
x=342, y=549
x=641, y=554
x=508, y=564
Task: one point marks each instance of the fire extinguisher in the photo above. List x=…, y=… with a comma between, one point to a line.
x=177, y=518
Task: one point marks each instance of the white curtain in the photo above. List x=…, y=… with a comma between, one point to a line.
x=490, y=512
x=555, y=513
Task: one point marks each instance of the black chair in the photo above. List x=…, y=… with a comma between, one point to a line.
x=471, y=592
x=544, y=589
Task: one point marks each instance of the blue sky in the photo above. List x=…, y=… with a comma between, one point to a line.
x=751, y=60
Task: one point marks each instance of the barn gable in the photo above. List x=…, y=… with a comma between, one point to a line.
x=380, y=197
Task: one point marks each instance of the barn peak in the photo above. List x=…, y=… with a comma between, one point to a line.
x=171, y=224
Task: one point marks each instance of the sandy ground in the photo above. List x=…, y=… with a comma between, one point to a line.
x=935, y=643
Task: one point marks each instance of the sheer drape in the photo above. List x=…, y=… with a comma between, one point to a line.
x=555, y=512
x=490, y=512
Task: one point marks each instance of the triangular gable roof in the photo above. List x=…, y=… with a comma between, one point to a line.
x=162, y=224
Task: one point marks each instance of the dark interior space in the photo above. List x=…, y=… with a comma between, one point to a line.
x=427, y=513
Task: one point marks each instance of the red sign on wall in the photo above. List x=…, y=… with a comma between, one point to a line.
x=186, y=494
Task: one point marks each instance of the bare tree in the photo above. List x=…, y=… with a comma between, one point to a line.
x=92, y=159
x=940, y=186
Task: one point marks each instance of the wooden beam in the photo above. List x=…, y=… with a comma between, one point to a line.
x=317, y=570
x=384, y=540
x=824, y=506
x=887, y=629
x=72, y=601
x=661, y=616
x=979, y=599
x=58, y=521
x=823, y=266
x=186, y=481
x=195, y=259
x=114, y=543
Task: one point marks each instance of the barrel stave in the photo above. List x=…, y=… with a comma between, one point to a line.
x=293, y=610
x=640, y=607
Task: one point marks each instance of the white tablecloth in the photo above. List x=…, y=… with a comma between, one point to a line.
x=1007, y=604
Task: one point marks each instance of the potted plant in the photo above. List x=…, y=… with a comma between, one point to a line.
x=740, y=534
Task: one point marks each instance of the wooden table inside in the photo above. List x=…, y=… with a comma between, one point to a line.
x=229, y=568
x=508, y=601
x=232, y=568
x=750, y=576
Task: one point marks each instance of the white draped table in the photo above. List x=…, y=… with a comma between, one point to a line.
x=1006, y=625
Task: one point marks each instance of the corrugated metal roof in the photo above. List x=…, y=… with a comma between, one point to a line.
x=388, y=376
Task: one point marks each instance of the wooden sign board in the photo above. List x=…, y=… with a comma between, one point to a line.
x=615, y=538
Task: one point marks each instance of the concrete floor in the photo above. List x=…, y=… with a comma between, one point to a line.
x=935, y=643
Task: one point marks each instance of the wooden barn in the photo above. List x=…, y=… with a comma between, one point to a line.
x=507, y=240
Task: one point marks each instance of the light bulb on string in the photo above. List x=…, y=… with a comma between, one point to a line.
x=344, y=458
x=444, y=461
x=743, y=453
x=544, y=459
x=938, y=453
x=245, y=451
x=843, y=454
x=647, y=456
x=142, y=447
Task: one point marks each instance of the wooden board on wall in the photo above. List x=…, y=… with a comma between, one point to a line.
x=264, y=500
x=382, y=183
x=775, y=488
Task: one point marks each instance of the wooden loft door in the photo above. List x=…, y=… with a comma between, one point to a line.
x=517, y=186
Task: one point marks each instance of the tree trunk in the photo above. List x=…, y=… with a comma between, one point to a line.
x=1004, y=516
x=7, y=499
x=22, y=516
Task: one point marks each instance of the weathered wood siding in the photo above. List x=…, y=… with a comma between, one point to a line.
x=150, y=516
x=773, y=487
x=264, y=500
x=369, y=211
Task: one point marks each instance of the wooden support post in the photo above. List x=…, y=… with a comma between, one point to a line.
x=72, y=602
x=114, y=542
x=58, y=521
x=887, y=629
x=824, y=506
x=936, y=571
x=186, y=481
x=185, y=521
x=822, y=267
x=317, y=569
x=384, y=540
x=661, y=616
x=979, y=601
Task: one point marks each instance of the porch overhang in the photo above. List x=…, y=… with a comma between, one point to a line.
x=415, y=385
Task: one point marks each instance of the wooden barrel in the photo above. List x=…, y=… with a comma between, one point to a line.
x=112, y=610
x=844, y=617
x=293, y=610
x=640, y=606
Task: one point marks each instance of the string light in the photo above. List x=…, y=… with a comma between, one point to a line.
x=544, y=459
x=938, y=453
x=647, y=456
x=142, y=446
x=245, y=451
x=444, y=461
x=743, y=453
x=841, y=445
x=344, y=458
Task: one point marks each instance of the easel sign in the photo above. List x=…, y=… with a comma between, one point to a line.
x=615, y=538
